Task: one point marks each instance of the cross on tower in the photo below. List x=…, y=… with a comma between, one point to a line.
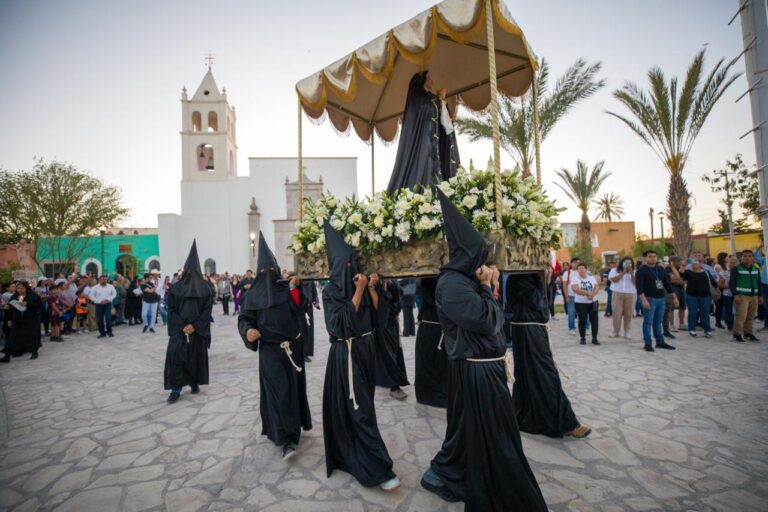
x=210, y=58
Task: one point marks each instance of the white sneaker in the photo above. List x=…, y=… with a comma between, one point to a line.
x=628, y=337
x=390, y=485
x=572, y=332
x=613, y=335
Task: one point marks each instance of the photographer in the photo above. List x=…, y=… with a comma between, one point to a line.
x=622, y=279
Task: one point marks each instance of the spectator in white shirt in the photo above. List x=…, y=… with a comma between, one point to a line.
x=102, y=296
x=622, y=280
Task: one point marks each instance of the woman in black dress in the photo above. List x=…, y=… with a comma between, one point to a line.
x=23, y=319
x=133, y=303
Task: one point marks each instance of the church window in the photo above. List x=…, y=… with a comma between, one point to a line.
x=92, y=269
x=213, y=121
x=210, y=266
x=231, y=163
x=197, y=121
x=204, y=155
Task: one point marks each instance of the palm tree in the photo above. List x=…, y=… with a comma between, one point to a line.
x=609, y=207
x=516, y=117
x=669, y=121
x=581, y=187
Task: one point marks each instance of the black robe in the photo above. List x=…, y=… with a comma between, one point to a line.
x=540, y=403
x=431, y=360
x=426, y=154
x=353, y=442
x=283, y=390
x=390, y=362
x=186, y=362
x=132, y=310
x=308, y=290
x=481, y=460
x=24, y=336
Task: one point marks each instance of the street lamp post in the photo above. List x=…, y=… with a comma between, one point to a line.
x=661, y=221
x=102, y=232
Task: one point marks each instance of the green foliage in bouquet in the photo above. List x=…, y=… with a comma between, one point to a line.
x=385, y=221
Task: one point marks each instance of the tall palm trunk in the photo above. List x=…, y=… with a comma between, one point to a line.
x=586, y=228
x=679, y=212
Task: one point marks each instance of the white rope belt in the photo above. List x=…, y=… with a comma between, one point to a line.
x=549, y=342
x=286, y=345
x=507, y=358
x=350, y=375
x=442, y=334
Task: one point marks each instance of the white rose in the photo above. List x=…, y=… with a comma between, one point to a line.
x=312, y=247
x=337, y=224
x=387, y=231
x=403, y=231
x=425, y=208
x=469, y=201
x=297, y=246
x=378, y=221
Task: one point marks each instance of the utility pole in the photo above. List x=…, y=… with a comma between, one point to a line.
x=729, y=203
x=754, y=32
x=650, y=213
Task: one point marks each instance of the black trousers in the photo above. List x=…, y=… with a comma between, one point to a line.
x=585, y=311
x=409, y=326
x=225, y=304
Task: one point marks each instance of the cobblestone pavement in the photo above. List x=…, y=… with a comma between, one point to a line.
x=86, y=428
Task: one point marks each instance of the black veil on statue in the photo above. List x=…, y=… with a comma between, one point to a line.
x=426, y=153
x=541, y=406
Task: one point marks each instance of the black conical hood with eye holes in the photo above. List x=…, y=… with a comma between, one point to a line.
x=269, y=288
x=191, y=283
x=342, y=266
x=467, y=248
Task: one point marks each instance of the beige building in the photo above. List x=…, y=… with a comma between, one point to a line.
x=608, y=240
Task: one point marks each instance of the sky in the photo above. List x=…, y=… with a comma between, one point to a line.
x=97, y=83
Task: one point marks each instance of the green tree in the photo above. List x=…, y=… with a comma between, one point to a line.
x=516, y=117
x=642, y=245
x=610, y=207
x=669, y=121
x=55, y=200
x=741, y=189
x=581, y=187
x=721, y=227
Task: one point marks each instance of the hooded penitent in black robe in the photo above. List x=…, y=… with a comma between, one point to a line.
x=431, y=361
x=390, y=363
x=481, y=460
x=540, y=402
x=133, y=303
x=353, y=442
x=269, y=307
x=309, y=291
x=426, y=153
x=24, y=336
x=190, y=301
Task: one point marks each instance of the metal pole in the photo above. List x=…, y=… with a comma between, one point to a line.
x=650, y=213
x=494, y=107
x=301, y=172
x=373, y=163
x=536, y=135
x=729, y=204
x=661, y=221
x=754, y=31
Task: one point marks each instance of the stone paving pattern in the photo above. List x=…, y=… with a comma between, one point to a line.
x=86, y=428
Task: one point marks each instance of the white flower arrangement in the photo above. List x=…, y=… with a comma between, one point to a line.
x=384, y=221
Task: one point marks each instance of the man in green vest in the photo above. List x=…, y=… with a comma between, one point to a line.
x=745, y=285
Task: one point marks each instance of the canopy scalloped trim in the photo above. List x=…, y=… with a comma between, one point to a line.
x=341, y=76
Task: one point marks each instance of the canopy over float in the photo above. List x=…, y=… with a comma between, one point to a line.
x=472, y=48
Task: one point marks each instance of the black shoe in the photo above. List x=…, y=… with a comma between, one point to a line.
x=719, y=325
x=110, y=335
x=665, y=345
x=288, y=451
x=595, y=342
x=307, y=359
x=34, y=355
x=738, y=338
x=750, y=336
x=583, y=341
x=669, y=335
x=145, y=329
x=431, y=482
x=648, y=348
x=101, y=336
x=195, y=389
x=173, y=398
x=6, y=359
x=151, y=330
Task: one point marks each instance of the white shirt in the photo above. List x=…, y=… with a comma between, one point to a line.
x=100, y=293
x=159, y=288
x=623, y=285
x=587, y=284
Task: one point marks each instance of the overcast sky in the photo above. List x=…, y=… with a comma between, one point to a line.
x=98, y=82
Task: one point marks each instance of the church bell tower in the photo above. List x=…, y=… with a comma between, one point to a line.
x=208, y=142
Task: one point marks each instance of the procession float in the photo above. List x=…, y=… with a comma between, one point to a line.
x=473, y=50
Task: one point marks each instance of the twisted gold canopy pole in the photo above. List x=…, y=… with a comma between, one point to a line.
x=536, y=136
x=373, y=163
x=301, y=173
x=494, y=106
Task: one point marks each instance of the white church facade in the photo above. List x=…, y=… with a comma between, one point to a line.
x=224, y=211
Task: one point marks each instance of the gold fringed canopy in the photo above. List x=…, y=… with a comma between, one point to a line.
x=368, y=87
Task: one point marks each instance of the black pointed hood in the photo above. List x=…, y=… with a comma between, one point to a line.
x=342, y=265
x=525, y=297
x=467, y=248
x=191, y=282
x=269, y=288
